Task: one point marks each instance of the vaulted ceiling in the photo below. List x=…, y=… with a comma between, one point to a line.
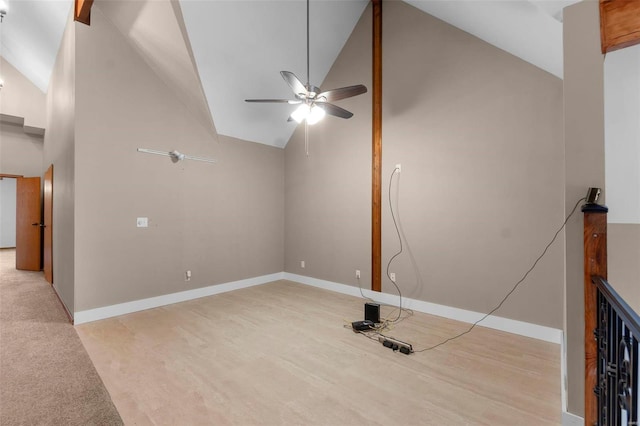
x=238, y=48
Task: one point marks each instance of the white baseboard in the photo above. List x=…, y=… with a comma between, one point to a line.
x=498, y=323
x=563, y=374
x=569, y=419
x=96, y=314
x=535, y=331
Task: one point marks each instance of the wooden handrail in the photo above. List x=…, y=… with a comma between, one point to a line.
x=630, y=318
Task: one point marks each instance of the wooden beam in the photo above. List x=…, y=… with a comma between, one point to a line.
x=82, y=11
x=619, y=24
x=595, y=263
x=376, y=193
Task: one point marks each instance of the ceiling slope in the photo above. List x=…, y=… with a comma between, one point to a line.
x=528, y=29
x=215, y=53
x=156, y=31
x=241, y=46
x=31, y=33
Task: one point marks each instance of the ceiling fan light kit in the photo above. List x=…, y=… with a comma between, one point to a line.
x=311, y=114
x=313, y=103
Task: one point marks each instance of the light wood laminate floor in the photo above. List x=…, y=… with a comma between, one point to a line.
x=278, y=354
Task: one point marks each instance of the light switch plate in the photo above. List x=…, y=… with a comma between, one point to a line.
x=143, y=222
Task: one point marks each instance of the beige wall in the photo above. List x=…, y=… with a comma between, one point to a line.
x=622, y=170
x=222, y=221
x=20, y=153
x=327, y=214
x=21, y=98
x=623, y=251
x=584, y=162
x=479, y=135
x=59, y=143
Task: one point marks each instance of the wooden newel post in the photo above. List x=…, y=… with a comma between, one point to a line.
x=595, y=263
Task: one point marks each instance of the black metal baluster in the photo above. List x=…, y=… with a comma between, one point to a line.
x=612, y=379
x=617, y=364
x=633, y=377
x=602, y=333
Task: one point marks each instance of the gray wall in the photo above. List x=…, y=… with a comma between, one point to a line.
x=584, y=164
x=59, y=143
x=328, y=202
x=222, y=221
x=623, y=252
x=20, y=153
x=479, y=135
x=622, y=170
x=7, y=213
x=20, y=97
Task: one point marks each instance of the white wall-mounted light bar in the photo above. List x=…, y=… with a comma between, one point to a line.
x=176, y=156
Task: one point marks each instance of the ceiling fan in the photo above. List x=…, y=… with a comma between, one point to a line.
x=314, y=103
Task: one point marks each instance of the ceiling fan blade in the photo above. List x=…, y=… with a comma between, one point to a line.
x=334, y=110
x=277, y=101
x=293, y=81
x=342, y=93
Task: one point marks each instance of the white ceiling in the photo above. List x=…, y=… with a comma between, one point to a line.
x=528, y=29
x=30, y=36
x=241, y=46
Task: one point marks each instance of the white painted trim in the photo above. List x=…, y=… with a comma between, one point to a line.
x=569, y=419
x=563, y=373
x=535, y=331
x=498, y=323
x=96, y=314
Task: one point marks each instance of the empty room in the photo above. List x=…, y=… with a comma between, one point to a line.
x=316, y=212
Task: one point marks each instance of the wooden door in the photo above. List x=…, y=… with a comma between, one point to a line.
x=47, y=250
x=28, y=223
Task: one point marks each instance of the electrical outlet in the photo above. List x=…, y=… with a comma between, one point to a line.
x=142, y=222
x=399, y=167
x=187, y=275
x=392, y=276
x=358, y=273
x=302, y=264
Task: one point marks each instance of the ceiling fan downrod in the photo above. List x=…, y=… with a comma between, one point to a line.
x=312, y=102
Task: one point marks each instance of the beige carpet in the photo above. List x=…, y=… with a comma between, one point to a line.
x=46, y=376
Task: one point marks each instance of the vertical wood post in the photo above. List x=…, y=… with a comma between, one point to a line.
x=82, y=11
x=595, y=263
x=376, y=190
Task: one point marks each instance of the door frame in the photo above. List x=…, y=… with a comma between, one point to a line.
x=47, y=219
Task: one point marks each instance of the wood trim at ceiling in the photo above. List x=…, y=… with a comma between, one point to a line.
x=619, y=24
x=82, y=11
x=376, y=190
